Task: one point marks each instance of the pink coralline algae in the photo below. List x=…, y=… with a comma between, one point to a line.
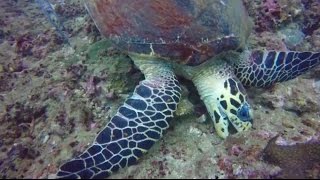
x=24, y=44
x=91, y=86
x=39, y=46
x=271, y=6
x=270, y=13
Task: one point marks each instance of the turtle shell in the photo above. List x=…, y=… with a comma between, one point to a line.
x=186, y=31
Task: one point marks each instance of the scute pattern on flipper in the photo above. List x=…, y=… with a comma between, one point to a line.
x=137, y=125
x=264, y=68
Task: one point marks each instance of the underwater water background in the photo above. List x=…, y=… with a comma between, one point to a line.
x=61, y=82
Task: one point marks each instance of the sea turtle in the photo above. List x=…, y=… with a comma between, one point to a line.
x=201, y=40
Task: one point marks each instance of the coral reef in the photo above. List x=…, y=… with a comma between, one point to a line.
x=311, y=20
x=54, y=99
x=268, y=15
x=69, y=10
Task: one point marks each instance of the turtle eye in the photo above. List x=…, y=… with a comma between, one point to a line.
x=244, y=113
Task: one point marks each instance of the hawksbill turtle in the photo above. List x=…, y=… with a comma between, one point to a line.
x=201, y=40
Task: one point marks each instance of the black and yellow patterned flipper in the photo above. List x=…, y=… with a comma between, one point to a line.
x=137, y=125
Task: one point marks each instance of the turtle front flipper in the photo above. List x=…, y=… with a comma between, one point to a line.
x=264, y=68
x=137, y=125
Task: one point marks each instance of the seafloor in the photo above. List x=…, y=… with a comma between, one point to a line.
x=55, y=98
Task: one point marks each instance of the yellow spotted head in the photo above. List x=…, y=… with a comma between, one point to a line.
x=231, y=112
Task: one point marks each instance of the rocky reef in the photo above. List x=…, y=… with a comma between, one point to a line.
x=54, y=99
x=300, y=160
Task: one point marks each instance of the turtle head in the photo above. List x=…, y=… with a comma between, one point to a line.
x=231, y=112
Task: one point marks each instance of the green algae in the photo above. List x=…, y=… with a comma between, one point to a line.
x=96, y=48
x=116, y=65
